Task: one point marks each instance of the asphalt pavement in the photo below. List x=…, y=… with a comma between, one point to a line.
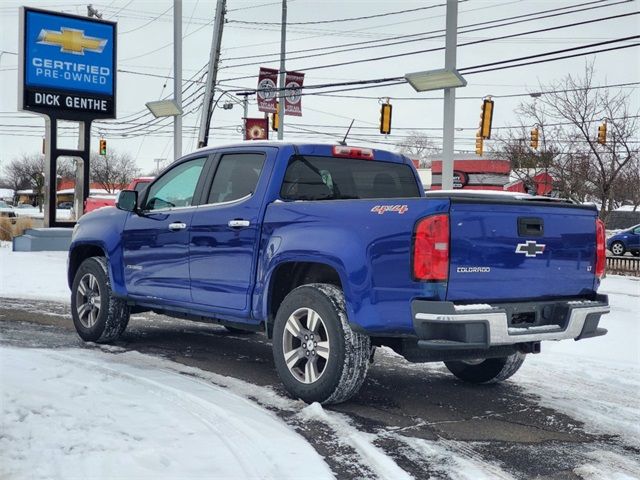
x=400, y=402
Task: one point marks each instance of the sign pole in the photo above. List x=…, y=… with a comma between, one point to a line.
x=283, y=73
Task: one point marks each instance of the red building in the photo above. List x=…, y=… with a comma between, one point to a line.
x=471, y=171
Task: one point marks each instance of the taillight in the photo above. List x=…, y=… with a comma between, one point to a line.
x=431, y=249
x=601, y=255
x=344, y=151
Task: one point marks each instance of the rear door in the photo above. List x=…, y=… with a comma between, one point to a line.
x=156, y=241
x=224, y=237
x=520, y=250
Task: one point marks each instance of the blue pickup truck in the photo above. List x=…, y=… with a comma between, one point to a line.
x=334, y=250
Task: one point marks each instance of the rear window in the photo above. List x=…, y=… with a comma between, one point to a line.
x=327, y=178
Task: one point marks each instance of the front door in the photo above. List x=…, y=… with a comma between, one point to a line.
x=156, y=240
x=225, y=231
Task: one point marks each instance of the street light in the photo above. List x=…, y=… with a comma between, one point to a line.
x=435, y=80
x=164, y=108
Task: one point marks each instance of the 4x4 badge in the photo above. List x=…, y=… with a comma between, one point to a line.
x=530, y=249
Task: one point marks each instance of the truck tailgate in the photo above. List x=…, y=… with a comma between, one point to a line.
x=510, y=250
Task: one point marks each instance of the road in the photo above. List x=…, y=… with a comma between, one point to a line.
x=400, y=403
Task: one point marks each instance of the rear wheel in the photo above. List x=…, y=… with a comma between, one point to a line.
x=490, y=370
x=319, y=358
x=617, y=248
x=97, y=314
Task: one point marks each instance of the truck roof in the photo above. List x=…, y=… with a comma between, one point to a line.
x=309, y=148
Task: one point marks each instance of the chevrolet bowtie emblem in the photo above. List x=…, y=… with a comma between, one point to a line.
x=530, y=249
x=71, y=40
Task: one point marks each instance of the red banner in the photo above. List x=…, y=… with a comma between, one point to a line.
x=267, y=90
x=256, y=129
x=293, y=99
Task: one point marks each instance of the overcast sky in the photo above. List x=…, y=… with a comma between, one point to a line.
x=145, y=63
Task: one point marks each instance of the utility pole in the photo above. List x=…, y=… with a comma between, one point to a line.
x=449, y=96
x=283, y=73
x=212, y=74
x=177, y=80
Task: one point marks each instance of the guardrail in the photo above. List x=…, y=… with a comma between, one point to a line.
x=624, y=265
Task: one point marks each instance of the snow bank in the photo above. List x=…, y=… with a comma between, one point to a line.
x=89, y=414
x=34, y=275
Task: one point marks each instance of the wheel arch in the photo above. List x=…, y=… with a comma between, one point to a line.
x=288, y=275
x=79, y=253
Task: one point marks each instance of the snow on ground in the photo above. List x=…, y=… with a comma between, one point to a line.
x=596, y=380
x=33, y=275
x=88, y=414
x=61, y=213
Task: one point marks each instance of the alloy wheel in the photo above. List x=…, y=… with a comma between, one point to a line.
x=305, y=344
x=88, y=300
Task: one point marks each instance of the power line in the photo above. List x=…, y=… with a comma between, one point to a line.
x=525, y=18
x=350, y=19
x=148, y=23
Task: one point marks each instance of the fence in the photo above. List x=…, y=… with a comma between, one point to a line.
x=624, y=265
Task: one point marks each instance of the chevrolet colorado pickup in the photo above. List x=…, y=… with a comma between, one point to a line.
x=334, y=250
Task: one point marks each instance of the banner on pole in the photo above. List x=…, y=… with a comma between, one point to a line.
x=293, y=99
x=267, y=90
x=256, y=129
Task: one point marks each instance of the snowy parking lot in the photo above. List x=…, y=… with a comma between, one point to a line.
x=180, y=400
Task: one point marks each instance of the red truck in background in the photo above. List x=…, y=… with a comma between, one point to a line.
x=108, y=200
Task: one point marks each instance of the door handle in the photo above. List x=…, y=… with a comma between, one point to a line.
x=177, y=226
x=239, y=223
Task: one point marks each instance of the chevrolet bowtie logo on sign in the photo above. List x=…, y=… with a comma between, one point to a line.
x=72, y=41
x=530, y=249
x=67, y=65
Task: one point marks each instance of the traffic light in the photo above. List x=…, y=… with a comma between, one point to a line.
x=535, y=136
x=602, y=133
x=103, y=146
x=479, y=143
x=385, y=118
x=275, y=118
x=486, y=118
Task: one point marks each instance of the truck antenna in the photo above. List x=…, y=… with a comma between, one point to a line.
x=343, y=142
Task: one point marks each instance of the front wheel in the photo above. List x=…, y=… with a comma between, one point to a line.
x=491, y=370
x=97, y=314
x=617, y=248
x=319, y=358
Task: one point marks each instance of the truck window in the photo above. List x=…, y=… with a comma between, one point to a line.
x=236, y=177
x=176, y=187
x=327, y=178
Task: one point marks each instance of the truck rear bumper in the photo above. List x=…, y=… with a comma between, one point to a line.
x=444, y=325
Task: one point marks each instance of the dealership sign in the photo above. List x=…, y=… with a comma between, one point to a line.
x=67, y=65
x=460, y=179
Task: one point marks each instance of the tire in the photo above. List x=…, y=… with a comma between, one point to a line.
x=617, y=248
x=99, y=321
x=491, y=370
x=331, y=363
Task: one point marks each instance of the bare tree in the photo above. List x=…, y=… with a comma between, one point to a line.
x=568, y=115
x=113, y=171
x=418, y=146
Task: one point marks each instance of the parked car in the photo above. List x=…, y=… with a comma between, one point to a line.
x=334, y=250
x=626, y=241
x=65, y=205
x=98, y=201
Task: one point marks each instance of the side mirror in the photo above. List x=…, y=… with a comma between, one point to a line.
x=127, y=200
